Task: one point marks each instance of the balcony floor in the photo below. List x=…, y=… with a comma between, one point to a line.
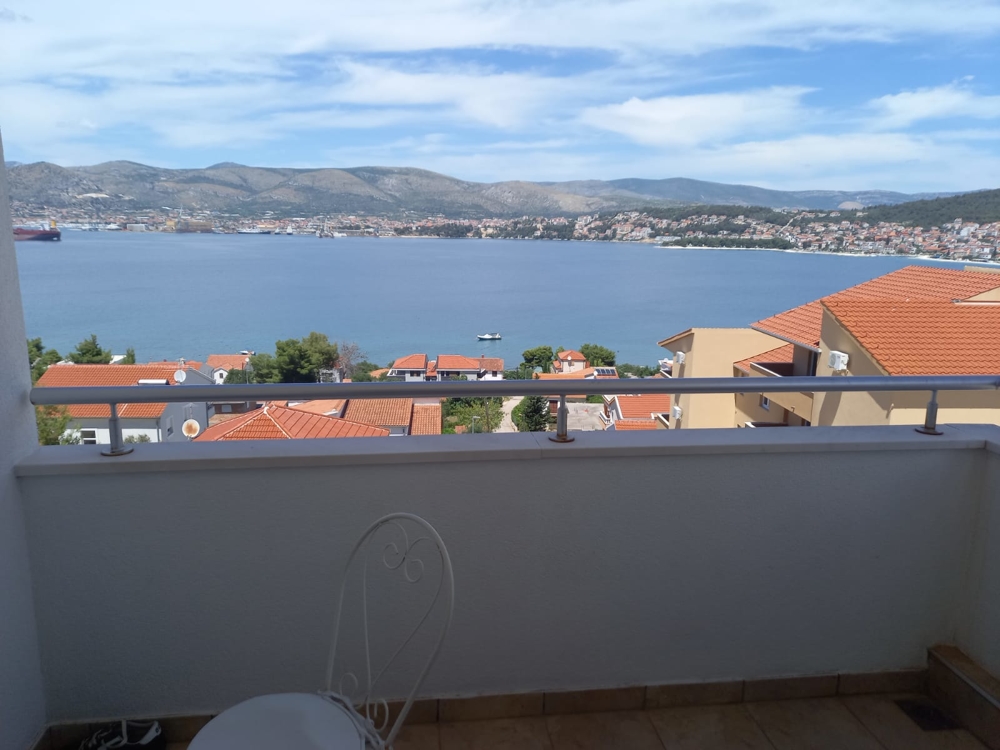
x=868, y=722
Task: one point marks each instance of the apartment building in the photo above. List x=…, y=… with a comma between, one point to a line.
x=418, y=368
x=800, y=342
x=156, y=423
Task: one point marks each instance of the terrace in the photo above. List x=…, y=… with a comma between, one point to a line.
x=790, y=579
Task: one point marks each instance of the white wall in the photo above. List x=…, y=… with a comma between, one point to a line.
x=22, y=704
x=836, y=550
x=979, y=634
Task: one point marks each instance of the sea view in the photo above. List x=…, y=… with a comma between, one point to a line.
x=189, y=295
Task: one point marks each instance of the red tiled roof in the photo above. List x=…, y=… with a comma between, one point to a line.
x=458, y=362
x=320, y=406
x=384, y=412
x=432, y=368
x=802, y=325
x=426, y=419
x=924, y=337
x=411, y=362
x=91, y=376
x=279, y=423
x=376, y=374
x=571, y=354
x=781, y=354
x=636, y=424
x=641, y=406
x=227, y=361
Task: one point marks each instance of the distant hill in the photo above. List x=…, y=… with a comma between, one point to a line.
x=393, y=191
x=10, y=164
x=981, y=207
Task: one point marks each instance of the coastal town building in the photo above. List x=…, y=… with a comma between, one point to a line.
x=417, y=368
x=273, y=422
x=156, y=423
x=919, y=315
x=569, y=361
x=646, y=411
x=222, y=364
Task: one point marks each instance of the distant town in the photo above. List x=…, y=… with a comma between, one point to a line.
x=737, y=227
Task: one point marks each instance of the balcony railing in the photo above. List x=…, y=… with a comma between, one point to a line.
x=147, y=394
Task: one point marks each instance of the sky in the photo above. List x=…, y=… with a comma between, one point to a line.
x=790, y=94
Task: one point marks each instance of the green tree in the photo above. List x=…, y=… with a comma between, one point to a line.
x=138, y=439
x=264, y=369
x=236, y=376
x=39, y=358
x=300, y=360
x=129, y=356
x=532, y=414
x=598, y=356
x=89, y=351
x=540, y=356
x=363, y=371
x=52, y=422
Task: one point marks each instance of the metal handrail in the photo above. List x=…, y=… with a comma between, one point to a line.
x=146, y=394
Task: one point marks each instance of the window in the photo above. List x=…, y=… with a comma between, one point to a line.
x=765, y=402
x=227, y=408
x=88, y=437
x=170, y=426
x=493, y=373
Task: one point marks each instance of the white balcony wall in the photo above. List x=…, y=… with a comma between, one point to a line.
x=186, y=577
x=22, y=704
x=980, y=632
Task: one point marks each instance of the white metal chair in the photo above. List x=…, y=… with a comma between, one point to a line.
x=330, y=720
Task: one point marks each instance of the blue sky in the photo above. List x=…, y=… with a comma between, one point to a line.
x=847, y=94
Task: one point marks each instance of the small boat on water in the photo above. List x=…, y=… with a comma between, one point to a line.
x=489, y=337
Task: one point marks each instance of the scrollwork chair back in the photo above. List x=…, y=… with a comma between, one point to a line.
x=407, y=557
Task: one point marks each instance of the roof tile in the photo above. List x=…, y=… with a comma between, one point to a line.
x=384, y=412
x=279, y=423
x=924, y=337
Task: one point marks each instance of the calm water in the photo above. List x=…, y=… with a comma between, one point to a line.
x=189, y=296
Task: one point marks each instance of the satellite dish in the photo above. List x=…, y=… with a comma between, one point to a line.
x=190, y=428
x=180, y=376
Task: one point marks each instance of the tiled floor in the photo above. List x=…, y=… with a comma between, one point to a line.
x=853, y=723
x=865, y=722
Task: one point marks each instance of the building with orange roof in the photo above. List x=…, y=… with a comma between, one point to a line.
x=222, y=364
x=798, y=342
x=415, y=368
x=643, y=407
x=273, y=422
x=569, y=360
x=426, y=419
x=156, y=422
x=908, y=337
x=392, y=414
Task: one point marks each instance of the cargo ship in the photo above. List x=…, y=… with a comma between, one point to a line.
x=41, y=235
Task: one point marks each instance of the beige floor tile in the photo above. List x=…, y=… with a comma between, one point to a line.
x=817, y=724
x=896, y=731
x=418, y=737
x=708, y=728
x=526, y=733
x=624, y=730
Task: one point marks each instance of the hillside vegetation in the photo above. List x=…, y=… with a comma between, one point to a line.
x=981, y=208
x=381, y=191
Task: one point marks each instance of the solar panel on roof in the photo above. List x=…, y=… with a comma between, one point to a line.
x=604, y=370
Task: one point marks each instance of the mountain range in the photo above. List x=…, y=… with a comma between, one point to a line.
x=394, y=191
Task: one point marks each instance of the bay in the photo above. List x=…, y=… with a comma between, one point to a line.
x=189, y=295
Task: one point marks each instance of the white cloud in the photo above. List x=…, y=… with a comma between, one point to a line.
x=702, y=118
x=953, y=100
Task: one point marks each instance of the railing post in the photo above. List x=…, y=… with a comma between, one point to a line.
x=118, y=447
x=930, y=418
x=562, y=426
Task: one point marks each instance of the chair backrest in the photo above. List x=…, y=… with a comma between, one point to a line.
x=405, y=554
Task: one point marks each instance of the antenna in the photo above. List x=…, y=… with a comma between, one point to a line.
x=180, y=376
x=190, y=428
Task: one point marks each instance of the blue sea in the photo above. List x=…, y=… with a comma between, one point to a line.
x=172, y=296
